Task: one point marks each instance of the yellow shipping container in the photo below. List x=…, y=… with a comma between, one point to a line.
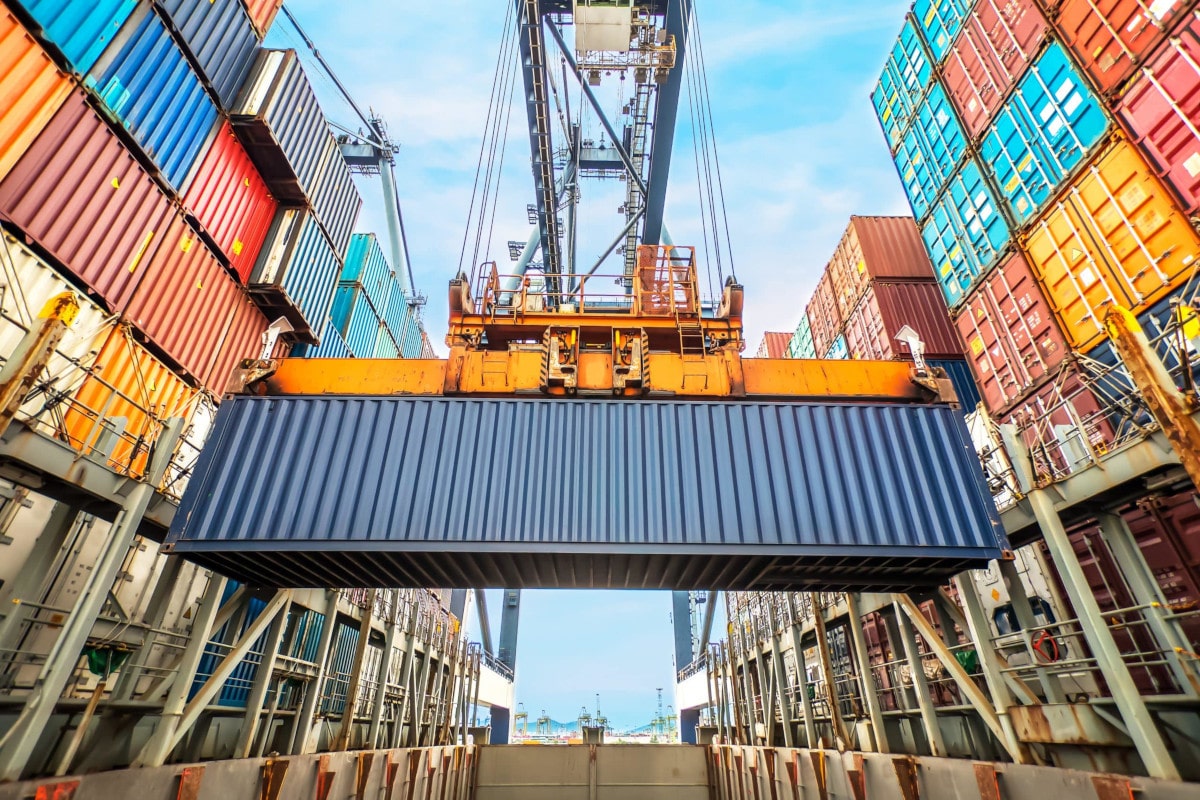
x=31, y=89
x=1114, y=236
x=120, y=409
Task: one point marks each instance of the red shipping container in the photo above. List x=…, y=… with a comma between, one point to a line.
x=774, y=345
x=82, y=197
x=1062, y=425
x=185, y=304
x=242, y=338
x=231, y=202
x=823, y=315
x=887, y=308
x=1111, y=37
x=1162, y=113
x=876, y=248
x=1012, y=339
x=998, y=39
x=262, y=14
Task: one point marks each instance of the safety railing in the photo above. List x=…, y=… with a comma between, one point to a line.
x=496, y=665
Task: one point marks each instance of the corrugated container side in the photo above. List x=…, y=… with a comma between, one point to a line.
x=298, y=261
x=356, y=318
x=1116, y=236
x=1012, y=339
x=80, y=29
x=185, y=301
x=397, y=311
x=277, y=116
x=1045, y=130
x=837, y=349
x=367, y=265
x=887, y=308
x=231, y=202
x=262, y=14
x=26, y=284
x=1111, y=38
x=332, y=345
x=891, y=250
x=959, y=373
x=940, y=21
x=241, y=340
x=842, y=270
x=335, y=199
x=413, y=342
x=801, y=345
x=118, y=410
x=365, y=463
x=998, y=40
x=147, y=84
x=917, y=181
x=220, y=39
x=822, y=312
x=32, y=88
x=774, y=345
x=1161, y=111
x=965, y=234
x=385, y=344
x=906, y=76
x=80, y=195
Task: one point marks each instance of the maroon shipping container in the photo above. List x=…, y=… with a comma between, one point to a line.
x=1110, y=38
x=999, y=38
x=886, y=308
x=185, y=304
x=1161, y=111
x=823, y=315
x=82, y=197
x=774, y=345
x=242, y=338
x=1011, y=337
x=876, y=248
x=1061, y=423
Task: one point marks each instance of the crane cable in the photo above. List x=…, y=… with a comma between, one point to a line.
x=699, y=146
x=716, y=157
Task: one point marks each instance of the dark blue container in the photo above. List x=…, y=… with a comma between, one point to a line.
x=220, y=38
x=959, y=372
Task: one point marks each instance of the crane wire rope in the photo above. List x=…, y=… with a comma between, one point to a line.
x=700, y=153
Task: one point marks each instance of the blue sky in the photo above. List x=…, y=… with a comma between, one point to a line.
x=800, y=152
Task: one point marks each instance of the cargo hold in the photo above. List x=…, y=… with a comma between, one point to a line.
x=402, y=491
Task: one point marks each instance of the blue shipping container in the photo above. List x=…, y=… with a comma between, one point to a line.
x=906, y=76
x=236, y=689
x=145, y=80
x=838, y=349
x=332, y=345
x=931, y=151
x=965, y=234
x=356, y=319
x=685, y=493
x=80, y=29
x=335, y=199
x=959, y=372
x=940, y=21
x=801, y=345
x=298, y=259
x=220, y=38
x=385, y=344
x=1042, y=133
x=367, y=266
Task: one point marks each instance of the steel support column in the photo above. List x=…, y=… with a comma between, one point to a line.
x=156, y=612
x=826, y=664
x=929, y=718
x=28, y=582
x=342, y=740
x=866, y=677
x=1142, y=729
x=385, y=670
x=19, y=742
x=262, y=682
x=681, y=624
x=302, y=730
x=810, y=726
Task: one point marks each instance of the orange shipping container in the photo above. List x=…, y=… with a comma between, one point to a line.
x=1115, y=236
x=120, y=408
x=823, y=315
x=31, y=88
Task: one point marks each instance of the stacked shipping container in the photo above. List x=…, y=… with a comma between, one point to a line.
x=1072, y=190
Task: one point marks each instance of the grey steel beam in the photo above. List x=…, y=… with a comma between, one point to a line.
x=826, y=665
x=342, y=740
x=988, y=654
x=679, y=16
x=531, y=47
x=485, y=624
x=866, y=677
x=381, y=684
x=19, y=742
x=262, y=682
x=929, y=717
x=810, y=725
x=156, y=612
x=27, y=584
x=681, y=625
x=302, y=729
x=1018, y=597
x=781, y=684
x=510, y=618
x=710, y=613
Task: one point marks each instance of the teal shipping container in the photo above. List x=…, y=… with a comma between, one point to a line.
x=297, y=272
x=1045, y=130
x=148, y=86
x=356, y=319
x=79, y=29
x=332, y=345
x=367, y=266
x=965, y=234
x=838, y=349
x=939, y=22
x=801, y=345
x=906, y=76
x=931, y=152
x=385, y=344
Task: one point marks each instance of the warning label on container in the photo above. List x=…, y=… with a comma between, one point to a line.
x=1192, y=164
x=977, y=345
x=1133, y=197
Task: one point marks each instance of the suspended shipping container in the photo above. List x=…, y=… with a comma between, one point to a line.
x=906, y=76
x=1162, y=113
x=33, y=89
x=1111, y=38
x=887, y=308
x=1116, y=236
x=279, y=119
x=335, y=200
x=822, y=312
x=367, y=266
x=1000, y=38
x=231, y=202
x=80, y=29
x=1045, y=130
x=939, y=22
x=297, y=273
x=801, y=345
x=220, y=38
x=82, y=197
x=1012, y=339
x=119, y=411
x=150, y=89
x=965, y=234
x=379, y=504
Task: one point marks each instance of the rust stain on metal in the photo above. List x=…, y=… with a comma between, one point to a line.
x=1112, y=787
x=189, y=783
x=769, y=760
x=63, y=790
x=906, y=777
x=989, y=784
x=818, y=762
x=272, y=779
x=324, y=778
x=363, y=773
x=856, y=776
x=391, y=768
x=414, y=766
